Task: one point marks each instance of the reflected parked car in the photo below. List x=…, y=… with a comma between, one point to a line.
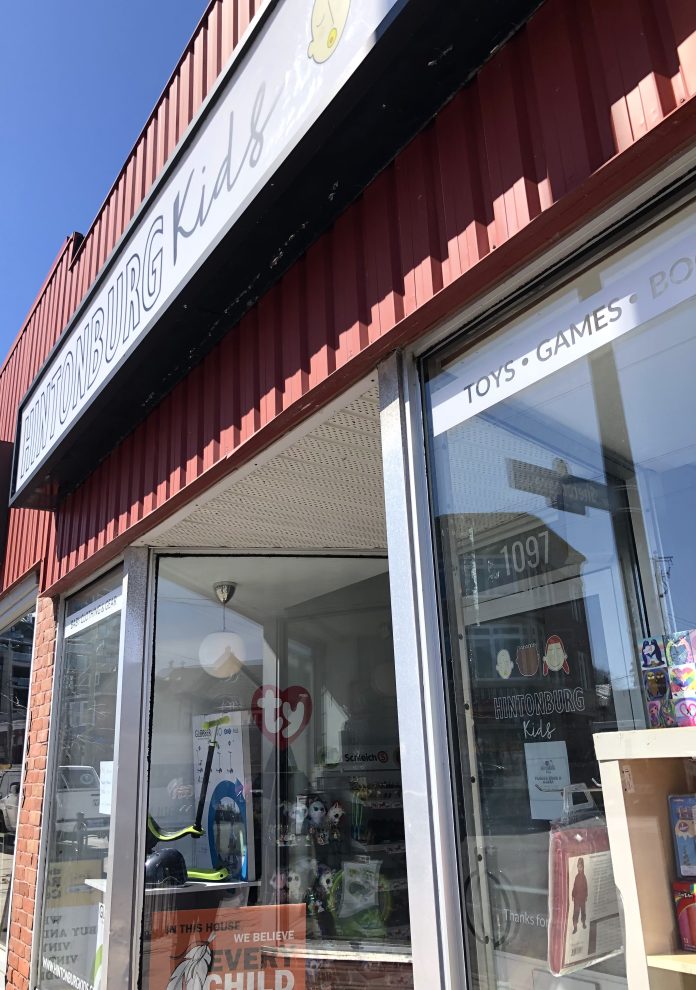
x=77, y=802
x=9, y=800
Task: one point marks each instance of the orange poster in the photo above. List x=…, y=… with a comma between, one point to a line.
x=252, y=948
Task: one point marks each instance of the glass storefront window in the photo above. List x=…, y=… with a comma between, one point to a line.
x=78, y=793
x=562, y=461
x=16, y=645
x=275, y=855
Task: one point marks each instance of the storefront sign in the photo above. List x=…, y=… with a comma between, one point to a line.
x=374, y=757
x=299, y=60
x=557, y=702
x=561, y=490
x=524, y=556
x=252, y=948
x=94, y=612
x=540, y=346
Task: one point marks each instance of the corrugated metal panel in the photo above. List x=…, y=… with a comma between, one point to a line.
x=27, y=530
x=78, y=263
x=582, y=82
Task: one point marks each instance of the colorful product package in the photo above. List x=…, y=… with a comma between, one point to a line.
x=656, y=683
x=663, y=714
x=680, y=647
x=652, y=652
x=584, y=919
x=685, y=711
x=682, y=680
x=682, y=816
x=684, y=894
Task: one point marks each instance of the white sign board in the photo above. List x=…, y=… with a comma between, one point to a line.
x=106, y=780
x=548, y=773
x=303, y=54
x=635, y=291
x=95, y=612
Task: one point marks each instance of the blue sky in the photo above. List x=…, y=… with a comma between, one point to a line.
x=78, y=79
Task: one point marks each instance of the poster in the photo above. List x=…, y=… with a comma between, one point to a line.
x=547, y=774
x=106, y=776
x=70, y=948
x=227, y=812
x=253, y=948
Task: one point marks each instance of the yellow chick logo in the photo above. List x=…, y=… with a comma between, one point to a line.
x=328, y=21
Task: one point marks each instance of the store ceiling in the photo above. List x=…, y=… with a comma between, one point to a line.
x=324, y=491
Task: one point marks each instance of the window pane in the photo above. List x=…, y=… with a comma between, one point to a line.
x=563, y=469
x=16, y=645
x=79, y=790
x=276, y=853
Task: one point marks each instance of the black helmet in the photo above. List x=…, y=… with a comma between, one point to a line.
x=165, y=867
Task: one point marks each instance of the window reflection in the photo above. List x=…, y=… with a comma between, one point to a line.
x=275, y=808
x=562, y=497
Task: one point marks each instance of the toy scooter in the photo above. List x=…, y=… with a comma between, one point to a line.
x=169, y=866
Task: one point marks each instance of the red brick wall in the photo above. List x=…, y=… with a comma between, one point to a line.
x=29, y=830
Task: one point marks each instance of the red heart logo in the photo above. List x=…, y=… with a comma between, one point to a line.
x=281, y=715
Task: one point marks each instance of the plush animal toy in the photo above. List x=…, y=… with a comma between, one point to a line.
x=334, y=816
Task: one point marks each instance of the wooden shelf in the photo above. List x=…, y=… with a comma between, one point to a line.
x=676, y=962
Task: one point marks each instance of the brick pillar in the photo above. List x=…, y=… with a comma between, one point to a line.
x=22, y=917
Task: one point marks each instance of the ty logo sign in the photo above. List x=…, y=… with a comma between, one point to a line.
x=281, y=715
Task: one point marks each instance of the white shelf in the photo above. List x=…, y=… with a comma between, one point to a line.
x=191, y=886
x=97, y=883
x=676, y=962
x=639, y=770
x=348, y=951
x=646, y=744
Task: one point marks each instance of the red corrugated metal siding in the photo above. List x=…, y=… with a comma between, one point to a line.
x=581, y=83
x=77, y=265
x=27, y=530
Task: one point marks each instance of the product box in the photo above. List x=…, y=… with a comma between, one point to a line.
x=685, y=711
x=652, y=653
x=684, y=894
x=682, y=815
x=680, y=648
x=682, y=680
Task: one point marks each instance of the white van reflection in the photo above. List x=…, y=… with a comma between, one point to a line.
x=77, y=803
x=9, y=800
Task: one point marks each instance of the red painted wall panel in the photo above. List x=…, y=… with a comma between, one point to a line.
x=578, y=86
x=581, y=83
x=30, y=532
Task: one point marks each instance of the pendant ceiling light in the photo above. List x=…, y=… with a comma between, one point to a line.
x=223, y=654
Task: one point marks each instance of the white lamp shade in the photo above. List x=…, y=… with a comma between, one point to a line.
x=222, y=654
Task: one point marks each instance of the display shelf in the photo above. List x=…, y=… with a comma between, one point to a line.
x=675, y=962
x=639, y=771
x=365, y=951
x=193, y=886
x=646, y=744
x=99, y=883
